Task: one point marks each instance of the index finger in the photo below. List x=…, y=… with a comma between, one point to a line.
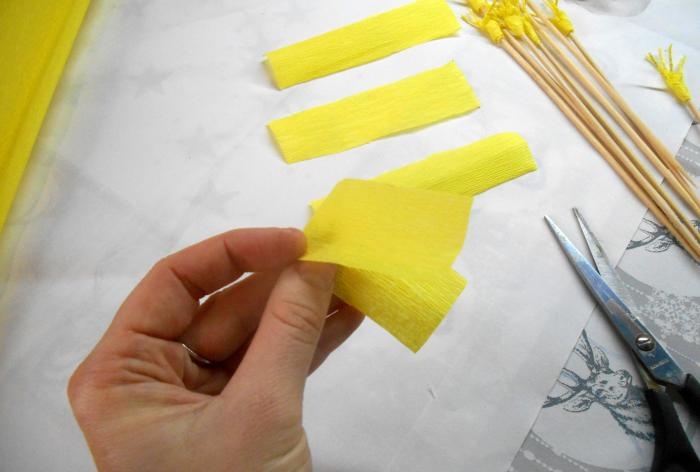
x=165, y=301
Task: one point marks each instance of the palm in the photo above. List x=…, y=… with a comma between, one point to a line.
x=144, y=404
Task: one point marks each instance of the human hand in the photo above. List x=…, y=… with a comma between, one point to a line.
x=145, y=405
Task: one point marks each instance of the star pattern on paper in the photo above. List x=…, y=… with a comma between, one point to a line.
x=198, y=143
x=149, y=80
x=134, y=8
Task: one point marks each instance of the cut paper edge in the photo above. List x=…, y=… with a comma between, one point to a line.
x=361, y=42
x=413, y=102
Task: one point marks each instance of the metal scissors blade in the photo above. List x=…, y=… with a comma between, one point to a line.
x=657, y=361
x=601, y=261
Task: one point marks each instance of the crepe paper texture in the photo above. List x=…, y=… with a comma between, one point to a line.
x=410, y=301
x=377, y=233
x=559, y=18
x=35, y=41
x=409, y=308
x=362, y=42
x=383, y=228
x=467, y=170
x=416, y=101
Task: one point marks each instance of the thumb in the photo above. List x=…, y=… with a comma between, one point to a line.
x=280, y=354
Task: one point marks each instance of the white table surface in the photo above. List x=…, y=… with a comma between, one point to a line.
x=157, y=139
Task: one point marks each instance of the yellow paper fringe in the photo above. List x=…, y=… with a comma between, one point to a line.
x=502, y=15
x=416, y=101
x=488, y=24
x=377, y=233
x=35, y=41
x=411, y=301
x=673, y=78
x=560, y=19
x=362, y=42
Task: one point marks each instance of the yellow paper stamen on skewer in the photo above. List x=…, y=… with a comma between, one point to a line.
x=487, y=25
x=560, y=19
x=493, y=31
x=515, y=24
x=476, y=6
x=530, y=31
x=673, y=78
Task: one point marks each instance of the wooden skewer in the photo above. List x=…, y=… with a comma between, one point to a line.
x=690, y=244
x=585, y=54
x=676, y=179
x=619, y=150
x=561, y=75
x=679, y=186
x=693, y=111
x=661, y=150
x=614, y=144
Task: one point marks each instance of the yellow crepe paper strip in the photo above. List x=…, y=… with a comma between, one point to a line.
x=560, y=19
x=410, y=309
x=412, y=304
x=467, y=170
x=377, y=233
x=416, y=101
x=375, y=226
x=35, y=41
x=362, y=42
x=673, y=78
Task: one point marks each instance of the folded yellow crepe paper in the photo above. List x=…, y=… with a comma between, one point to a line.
x=409, y=306
x=362, y=42
x=416, y=101
x=395, y=246
x=467, y=170
x=387, y=229
x=35, y=40
x=410, y=309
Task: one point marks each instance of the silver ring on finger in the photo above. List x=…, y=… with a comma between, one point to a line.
x=196, y=357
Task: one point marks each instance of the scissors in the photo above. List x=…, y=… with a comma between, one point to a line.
x=659, y=371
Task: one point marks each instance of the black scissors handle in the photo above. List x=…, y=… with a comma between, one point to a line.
x=673, y=452
x=691, y=394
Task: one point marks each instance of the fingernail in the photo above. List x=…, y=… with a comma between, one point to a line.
x=298, y=235
x=317, y=274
